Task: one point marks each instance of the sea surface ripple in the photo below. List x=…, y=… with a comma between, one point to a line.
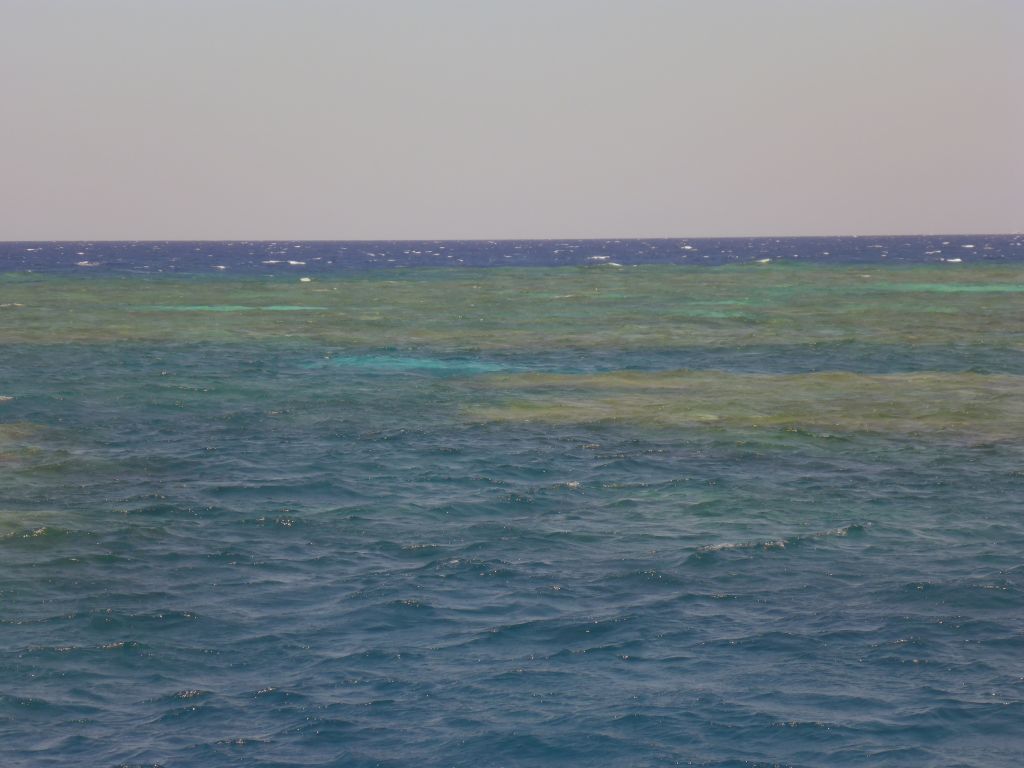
x=745, y=513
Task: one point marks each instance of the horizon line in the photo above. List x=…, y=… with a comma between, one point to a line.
x=504, y=239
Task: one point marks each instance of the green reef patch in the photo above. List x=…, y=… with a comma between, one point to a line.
x=982, y=406
x=461, y=311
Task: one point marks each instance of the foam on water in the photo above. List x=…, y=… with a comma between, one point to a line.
x=843, y=530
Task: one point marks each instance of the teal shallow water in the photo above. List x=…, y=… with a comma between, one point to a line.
x=749, y=515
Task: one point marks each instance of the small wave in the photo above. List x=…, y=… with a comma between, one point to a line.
x=766, y=544
x=190, y=693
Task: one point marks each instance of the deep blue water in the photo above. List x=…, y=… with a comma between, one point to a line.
x=322, y=257
x=277, y=539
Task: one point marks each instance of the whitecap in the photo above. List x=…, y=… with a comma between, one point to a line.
x=727, y=545
x=843, y=530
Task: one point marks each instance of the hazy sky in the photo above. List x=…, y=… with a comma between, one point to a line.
x=337, y=119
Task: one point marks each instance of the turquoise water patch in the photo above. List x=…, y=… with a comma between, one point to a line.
x=714, y=314
x=289, y=308
x=953, y=288
x=403, y=363
x=228, y=308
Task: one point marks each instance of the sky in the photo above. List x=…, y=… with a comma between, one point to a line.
x=431, y=119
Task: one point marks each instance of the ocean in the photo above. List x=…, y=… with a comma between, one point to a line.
x=734, y=502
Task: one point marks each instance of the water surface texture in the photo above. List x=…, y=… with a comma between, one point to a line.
x=617, y=503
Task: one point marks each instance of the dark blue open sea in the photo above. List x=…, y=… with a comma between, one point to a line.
x=748, y=502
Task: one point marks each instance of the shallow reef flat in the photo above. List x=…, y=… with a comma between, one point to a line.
x=970, y=405
x=536, y=308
